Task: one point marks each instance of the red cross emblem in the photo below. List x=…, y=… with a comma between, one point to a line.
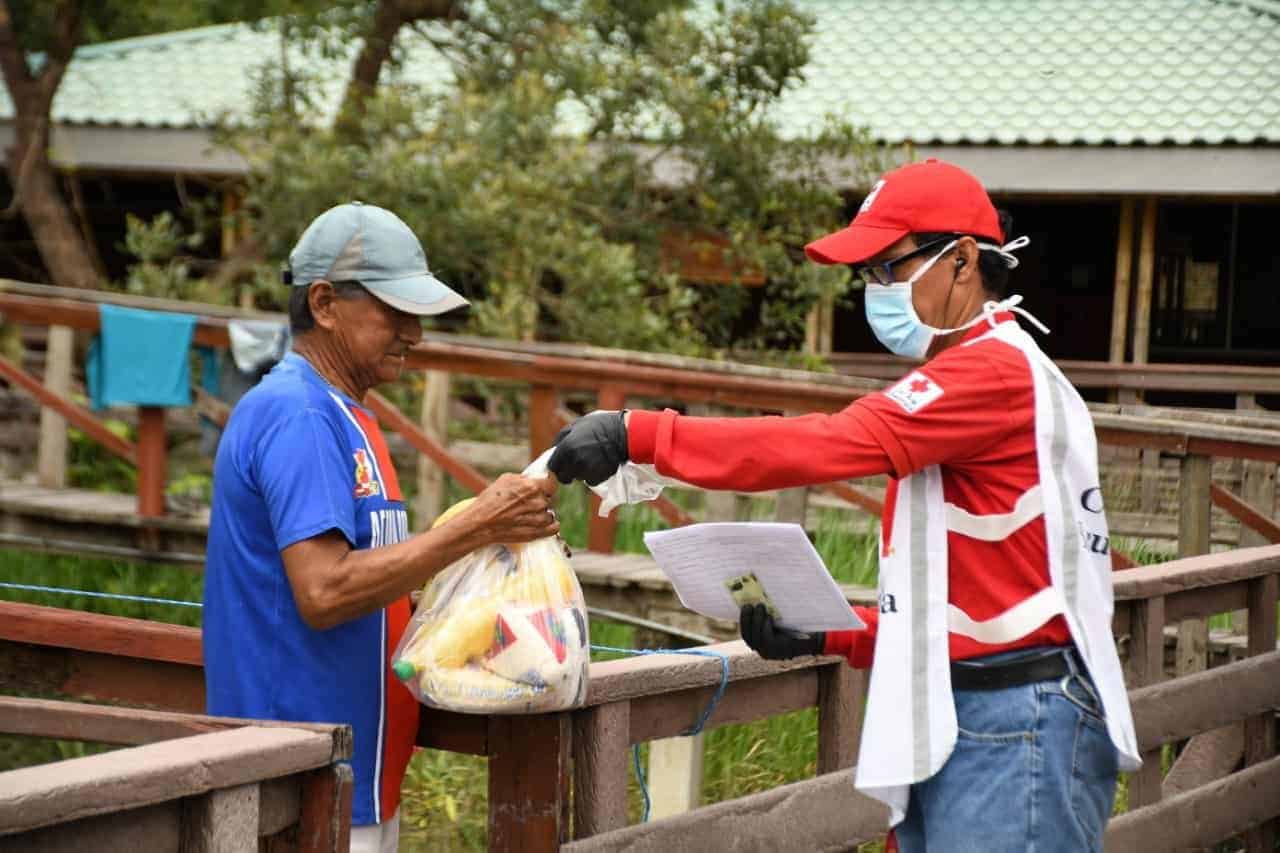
x=919, y=386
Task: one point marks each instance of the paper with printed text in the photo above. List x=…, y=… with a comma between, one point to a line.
x=699, y=558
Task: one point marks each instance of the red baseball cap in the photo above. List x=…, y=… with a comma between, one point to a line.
x=932, y=196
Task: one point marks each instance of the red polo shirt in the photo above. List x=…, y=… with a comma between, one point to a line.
x=970, y=410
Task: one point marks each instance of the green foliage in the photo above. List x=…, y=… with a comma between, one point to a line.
x=92, y=466
x=576, y=135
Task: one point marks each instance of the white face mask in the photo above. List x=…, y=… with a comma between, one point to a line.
x=894, y=320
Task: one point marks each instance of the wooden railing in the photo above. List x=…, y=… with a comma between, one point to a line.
x=560, y=779
x=1242, y=382
x=617, y=378
x=188, y=783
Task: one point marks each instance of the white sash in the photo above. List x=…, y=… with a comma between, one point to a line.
x=911, y=721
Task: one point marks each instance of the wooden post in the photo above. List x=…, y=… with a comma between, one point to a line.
x=1258, y=488
x=1120, y=299
x=1146, y=278
x=222, y=821
x=51, y=455
x=675, y=774
x=819, y=325
x=601, y=531
x=601, y=765
x=1194, y=517
x=1260, y=731
x=153, y=461
x=793, y=505
x=324, y=825
x=435, y=423
x=543, y=427
x=1149, y=470
x=842, y=696
x=1146, y=666
x=529, y=782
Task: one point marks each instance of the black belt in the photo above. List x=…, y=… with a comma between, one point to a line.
x=996, y=676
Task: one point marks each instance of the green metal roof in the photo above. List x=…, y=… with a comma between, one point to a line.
x=926, y=71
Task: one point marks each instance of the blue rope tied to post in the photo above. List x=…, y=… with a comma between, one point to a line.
x=696, y=728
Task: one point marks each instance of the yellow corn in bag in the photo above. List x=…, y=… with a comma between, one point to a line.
x=502, y=630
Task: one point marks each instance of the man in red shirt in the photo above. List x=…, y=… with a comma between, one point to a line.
x=981, y=535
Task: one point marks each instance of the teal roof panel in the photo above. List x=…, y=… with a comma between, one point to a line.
x=1090, y=72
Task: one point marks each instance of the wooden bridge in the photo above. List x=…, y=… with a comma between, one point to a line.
x=44, y=650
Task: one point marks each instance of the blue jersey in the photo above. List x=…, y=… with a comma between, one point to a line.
x=299, y=458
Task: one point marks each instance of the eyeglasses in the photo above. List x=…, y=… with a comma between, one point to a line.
x=882, y=273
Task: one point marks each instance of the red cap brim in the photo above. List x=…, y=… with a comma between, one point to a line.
x=854, y=244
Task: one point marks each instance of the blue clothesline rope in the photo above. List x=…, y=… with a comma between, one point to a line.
x=112, y=595
x=696, y=728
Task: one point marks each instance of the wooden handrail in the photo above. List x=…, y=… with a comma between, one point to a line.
x=154, y=773
x=1245, y=513
x=1199, y=572
x=73, y=412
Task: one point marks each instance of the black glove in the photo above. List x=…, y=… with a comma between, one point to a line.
x=774, y=643
x=591, y=448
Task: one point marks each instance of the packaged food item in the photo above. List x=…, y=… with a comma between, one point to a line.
x=503, y=630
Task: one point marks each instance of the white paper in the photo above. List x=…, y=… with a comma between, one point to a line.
x=699, y=558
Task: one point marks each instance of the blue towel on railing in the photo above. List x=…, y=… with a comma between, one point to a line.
x=140, y=358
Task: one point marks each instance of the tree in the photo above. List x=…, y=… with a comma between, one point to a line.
x=54, y=31
x=575, y=137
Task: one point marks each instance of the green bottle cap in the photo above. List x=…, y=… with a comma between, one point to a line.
x=403, y=670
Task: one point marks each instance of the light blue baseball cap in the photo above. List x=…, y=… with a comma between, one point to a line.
x=371, y=245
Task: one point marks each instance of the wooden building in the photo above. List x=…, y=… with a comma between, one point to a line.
x=1137, y=142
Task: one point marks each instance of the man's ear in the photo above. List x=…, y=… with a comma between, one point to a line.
x=322, y=300
x=966, y=261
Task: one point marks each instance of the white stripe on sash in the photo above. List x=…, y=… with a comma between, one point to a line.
x=997, y=526
x=1013, y=624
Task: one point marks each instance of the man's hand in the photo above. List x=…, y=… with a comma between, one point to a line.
x=591, y=448
x=514, y=509
x=774, y=643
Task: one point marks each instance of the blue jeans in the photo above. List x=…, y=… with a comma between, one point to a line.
x=1033, y=771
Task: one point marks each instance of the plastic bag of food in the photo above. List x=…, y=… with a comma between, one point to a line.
x=502, y=630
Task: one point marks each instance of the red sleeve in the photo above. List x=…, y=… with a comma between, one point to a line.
x=954, y=408
x=858, y=647
x=755, y=454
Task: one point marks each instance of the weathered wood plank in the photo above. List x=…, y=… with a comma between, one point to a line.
x=134, y=726
x=279, y=804
x=529, y=782
x=144, y=775
x=465, y=733
x=675, y=774
x=151, y=828
x=668, y=714
x=1194, y=518
x=70, y=673
x=95, y=632
x=612, y=681
x=1197, y=572
x=1206, y=758
x=601, y=764
x=1147, y=667
x=825, y=813
x=1260, y=731
x=1177, y=709
x=842, y=694
x=51, y=460
x=324, y=825
x=1202, y=817
x=224, y=820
